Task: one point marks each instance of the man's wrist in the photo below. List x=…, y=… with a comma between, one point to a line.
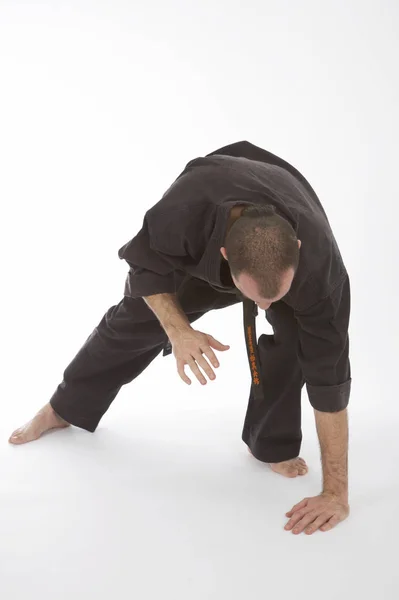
x=340, y=493
x=176, y=329
x=169, y=313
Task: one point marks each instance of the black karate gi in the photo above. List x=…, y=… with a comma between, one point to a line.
x=178, y=251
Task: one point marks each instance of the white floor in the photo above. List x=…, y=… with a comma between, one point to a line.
x=165, y=501
x=104, y=104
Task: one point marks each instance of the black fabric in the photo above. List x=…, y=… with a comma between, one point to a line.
x=124, y=343
x=129, y=337
x=185, y=230
x=178, y=250
x=272, y=426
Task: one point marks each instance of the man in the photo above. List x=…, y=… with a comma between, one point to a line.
x=237, y=225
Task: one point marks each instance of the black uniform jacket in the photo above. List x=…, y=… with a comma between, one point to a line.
x=183, y=233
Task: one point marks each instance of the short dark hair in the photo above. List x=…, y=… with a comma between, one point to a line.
x=264, y=245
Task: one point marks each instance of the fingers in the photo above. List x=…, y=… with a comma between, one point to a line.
x=308, y=518
x=180, y=370
x=299, y=514
x=311, y=521
x=195, y=369
x=216, y=344
x=330, y=524
x=197, y=356
x=298, y=506
x=203, y=363
x=317, y=523
x=211, y=356
x=318, y=513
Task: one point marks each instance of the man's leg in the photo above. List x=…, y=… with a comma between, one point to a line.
x=124, y=343
x=272, y=427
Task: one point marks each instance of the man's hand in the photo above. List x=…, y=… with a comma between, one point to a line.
x=189, y=347
x=331, y=507
x=320, y=512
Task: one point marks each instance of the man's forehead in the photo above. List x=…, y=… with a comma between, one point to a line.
x=248, y=286
x=248, y=282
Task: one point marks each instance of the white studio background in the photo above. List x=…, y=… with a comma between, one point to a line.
x=102, y=103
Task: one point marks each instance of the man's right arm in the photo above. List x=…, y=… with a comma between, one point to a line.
x=169, y=313
x=190, y=346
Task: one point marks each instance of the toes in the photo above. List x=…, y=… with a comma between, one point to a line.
x=286, y=470
x=16, y=438
x=291, y=468
x=16, y=433
x=20, y=436
x=292, y=473
x=302, y=466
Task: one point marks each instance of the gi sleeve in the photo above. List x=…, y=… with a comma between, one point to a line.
x=172, y=240
x=150, y=272
x=141, y=282
x=324, y=349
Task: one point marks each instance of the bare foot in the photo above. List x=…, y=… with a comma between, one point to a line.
x=45, y=419
x=289, y=468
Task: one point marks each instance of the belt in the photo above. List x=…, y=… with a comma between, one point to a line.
x=250, y=311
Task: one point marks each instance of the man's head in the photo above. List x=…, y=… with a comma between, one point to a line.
x=263, y=254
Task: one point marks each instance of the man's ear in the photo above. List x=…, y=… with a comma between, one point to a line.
x=299, y=243
x=223, y=251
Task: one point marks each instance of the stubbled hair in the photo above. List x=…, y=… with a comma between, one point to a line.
x=263, y=245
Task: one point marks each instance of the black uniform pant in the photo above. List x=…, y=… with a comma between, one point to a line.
x=129, y=337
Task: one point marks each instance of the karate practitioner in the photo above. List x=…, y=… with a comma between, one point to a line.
x=238, y=225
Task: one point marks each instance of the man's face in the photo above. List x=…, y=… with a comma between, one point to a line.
x=249, y=289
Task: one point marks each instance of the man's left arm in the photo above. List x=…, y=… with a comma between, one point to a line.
x=332, y=429
x=324, y=357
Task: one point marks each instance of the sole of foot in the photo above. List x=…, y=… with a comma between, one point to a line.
x=45, y=420
x=289, y=468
